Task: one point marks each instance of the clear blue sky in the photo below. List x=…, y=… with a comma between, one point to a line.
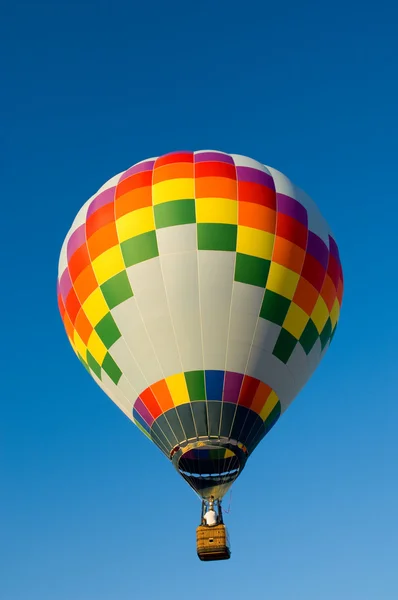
x=89, y=88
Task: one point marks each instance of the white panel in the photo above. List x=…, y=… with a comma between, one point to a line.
x=316, y=222
x=314, y=357
x=180, y=273
x=115, y=394
x=123, y=357
x=128, y=318
x=266, y=335
x=181, y=238
x=63, y=258
x=216, y=272
x=199, y=152
x=147, y=283
x=270, y=370
x=245, y=161
x=283, y=185
x=238, y=356
x=299, y=366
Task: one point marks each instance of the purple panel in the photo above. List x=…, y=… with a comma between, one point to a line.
x=255, y=176
x=213, y=156
x=334, y=251
x=143, y=411
x=65, y=284
x=291, y=207
x=232, y=385
x=318, y=249
x=77, y=239
x=103, y=198
x=147, y=165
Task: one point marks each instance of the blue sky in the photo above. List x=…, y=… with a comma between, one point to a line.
x=89, y=88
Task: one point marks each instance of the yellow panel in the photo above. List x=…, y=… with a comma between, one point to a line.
x=95, y=307
x=270, y=404
x=108, y=264
x=334, y=313
x=178, y=389
x=173, y=189
x=282, y=281
x=134, y=223
x=255, y=242
x=295, y=320
x=96, y=347
x=216, y=210
x=80, y=345
x=320, y=314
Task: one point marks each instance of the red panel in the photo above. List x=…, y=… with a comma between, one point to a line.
x=150, y=402
x=72, y=305
x=257, y=193
x=291, y=230
x=174, y=157
x=334, y=270
x=101, y=217
x=215, y=169
x=248, y=391
x=313, y=272
x=133, y=183
x=79, y=261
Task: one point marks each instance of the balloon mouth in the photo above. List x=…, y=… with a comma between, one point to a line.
x=210, y=466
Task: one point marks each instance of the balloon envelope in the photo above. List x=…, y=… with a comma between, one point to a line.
x=201, y=290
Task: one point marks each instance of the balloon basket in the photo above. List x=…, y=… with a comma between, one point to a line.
x=212, y=543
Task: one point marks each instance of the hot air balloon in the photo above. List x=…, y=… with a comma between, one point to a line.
x=201, y=290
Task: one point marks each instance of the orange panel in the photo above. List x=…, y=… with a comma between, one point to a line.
x=162, y=395
x=173, y=171
x=305, y=296
x=215, y=187
x=102, y=240
x=83, y=326
x=262, y=393
x=288, y=254
x=133, y=200
x=85, y=284
x=256, y=216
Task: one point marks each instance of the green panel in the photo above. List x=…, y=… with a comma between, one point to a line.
x=179, y=212
x=252, y=270
x=333, y=332
x=140, y=248
x=83, y=362
x=274, y=307
x=196, y=385
x=309, y=336
x=111, y=368
x=284, y=346
x=326, y=333
x=108, y=330
x=94, y=366
x=117, y=289
x=214, y=236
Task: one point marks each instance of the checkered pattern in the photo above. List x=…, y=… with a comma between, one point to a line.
x=195, y=267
